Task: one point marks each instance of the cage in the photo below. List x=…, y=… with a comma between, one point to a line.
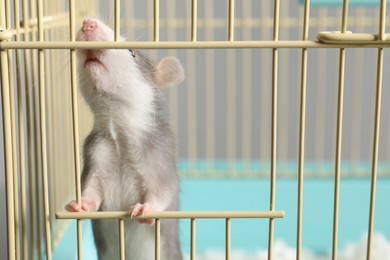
x=280, y=124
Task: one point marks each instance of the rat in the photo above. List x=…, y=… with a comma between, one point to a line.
x=129, y=156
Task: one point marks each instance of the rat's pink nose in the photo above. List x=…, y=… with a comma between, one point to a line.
x=89, y=26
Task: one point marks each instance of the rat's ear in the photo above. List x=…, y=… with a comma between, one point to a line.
x=168, y=72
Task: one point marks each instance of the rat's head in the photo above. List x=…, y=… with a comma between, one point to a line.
x=95, y=60
x=108, y=69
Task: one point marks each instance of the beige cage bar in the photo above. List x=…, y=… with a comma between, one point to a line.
x=37, y=40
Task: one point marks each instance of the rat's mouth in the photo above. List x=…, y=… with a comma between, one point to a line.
x=92, y=59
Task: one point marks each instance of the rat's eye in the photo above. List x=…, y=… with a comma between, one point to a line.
x=132, y=53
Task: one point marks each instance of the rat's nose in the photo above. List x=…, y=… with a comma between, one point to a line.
x=89, y=26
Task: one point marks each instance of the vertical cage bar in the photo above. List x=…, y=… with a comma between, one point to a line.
x=228, y=238
x=49, y=109
x=302, y=120
x=157, y=239
x=42, y=99
x=37, y=250
x=378, y=99
x=11, y=83
x=338, y=152
x=382, y=20
x=7, y=135
x=75, y=122
x=21, y=123
x=50, y=125
x=194, y=15
x=339, y=130
x=231, y=21
x=375, y=152
x=193, y=239
x=30, y=141
x=11, y=88
x=117, y=15
x=274, y=126
x=122, y=239
x=156, y=17
x=9, y=167
x=344, y=16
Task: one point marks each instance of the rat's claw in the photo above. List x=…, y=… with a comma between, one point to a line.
x=140, y=210
x=86, y=205
x=73, y=206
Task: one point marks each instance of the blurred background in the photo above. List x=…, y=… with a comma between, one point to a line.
x=221, y=115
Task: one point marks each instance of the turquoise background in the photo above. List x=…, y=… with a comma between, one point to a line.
x=253, y=194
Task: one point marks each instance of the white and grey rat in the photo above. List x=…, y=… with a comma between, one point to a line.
x=129, y=156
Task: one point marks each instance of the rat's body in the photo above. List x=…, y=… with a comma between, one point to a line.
x=129, y=155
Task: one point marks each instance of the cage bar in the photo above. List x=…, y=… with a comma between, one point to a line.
x=194, y=14
x=302, y=121
x=375, y=152
x=14, y=155
x=378, y=99
x=30, y=135
x=42, y=108
x=171, y=214
x=339, y=130
x=231, y=21
x=38, y=250
x=22, y=148
x=358, y=42
x=122, y=239
x=156, y=17
x=75, y=122
x=117, y=15
x=157, y=238
x=274, y=121
x=228, y=238
x=7, y=132
x=193, y=239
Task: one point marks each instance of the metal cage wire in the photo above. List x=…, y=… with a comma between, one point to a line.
x=33, y=42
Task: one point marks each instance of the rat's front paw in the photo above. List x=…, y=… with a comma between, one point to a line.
x=140, y=210
x=86, y=205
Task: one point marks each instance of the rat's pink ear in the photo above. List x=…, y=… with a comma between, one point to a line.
x=168, y=72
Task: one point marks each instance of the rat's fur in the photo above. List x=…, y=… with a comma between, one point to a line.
x=129, y=155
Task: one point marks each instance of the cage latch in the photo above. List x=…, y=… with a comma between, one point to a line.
x=349, y=37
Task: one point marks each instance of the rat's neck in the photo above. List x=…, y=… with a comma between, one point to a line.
x=119, y=118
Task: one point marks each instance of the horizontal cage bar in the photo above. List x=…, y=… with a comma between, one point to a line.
x=192, y=45
x=171, y=214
